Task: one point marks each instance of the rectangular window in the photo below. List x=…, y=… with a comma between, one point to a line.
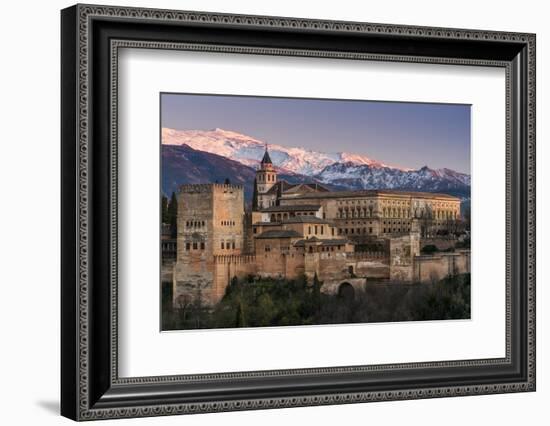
x=223, y=245
x=202, y=246
x=309, y=229
x=315, y=229
x=194, y=246
x=233, y=245
x=255, y=230
x=187, y=246
x=322, y=230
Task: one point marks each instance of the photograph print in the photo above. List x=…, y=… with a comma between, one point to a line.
x=301, y=212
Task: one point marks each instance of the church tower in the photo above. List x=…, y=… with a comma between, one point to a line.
x=266, y=178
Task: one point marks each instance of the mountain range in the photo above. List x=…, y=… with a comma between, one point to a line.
x=193, y=156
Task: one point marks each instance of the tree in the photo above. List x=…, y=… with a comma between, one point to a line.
x=172, y=215
x=316, y=293
x=164, y=209
x=429, y=249
x=239, y=318
x=255, y=197
x=227, y=181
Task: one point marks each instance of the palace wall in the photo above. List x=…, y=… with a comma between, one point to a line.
x=225, y=268
x=436, y=267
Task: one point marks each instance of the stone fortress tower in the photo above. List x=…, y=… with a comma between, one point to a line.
x=210, y=224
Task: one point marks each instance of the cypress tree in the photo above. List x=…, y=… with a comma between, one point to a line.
x=255, y=197
x=173, y=215
x=316, y=293
x=240, y=320
x=164, y=209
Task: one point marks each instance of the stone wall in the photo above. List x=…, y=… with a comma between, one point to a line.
x=402, y=252
x=227, y=267
x=436, y=267
x=440, y=243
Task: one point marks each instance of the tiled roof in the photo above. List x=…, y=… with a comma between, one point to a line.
x=279, y=234
x=305, y=219
x=296, y=188
x=334, y=242
x=293, y=208
x=370, y=193
x=267, y=158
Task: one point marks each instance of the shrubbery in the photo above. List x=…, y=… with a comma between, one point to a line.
x=270, y=302
x=429, y=249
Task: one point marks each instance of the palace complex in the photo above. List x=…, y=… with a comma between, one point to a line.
x=344, y=237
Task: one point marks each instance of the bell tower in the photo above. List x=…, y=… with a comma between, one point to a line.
x=266, y=176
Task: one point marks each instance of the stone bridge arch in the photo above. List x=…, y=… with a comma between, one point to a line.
x=346, y=291
x=345, y=285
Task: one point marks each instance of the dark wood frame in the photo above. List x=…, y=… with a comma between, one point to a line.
x=90, y=386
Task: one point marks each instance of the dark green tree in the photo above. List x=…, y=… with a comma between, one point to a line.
x=255, y=197
x=239, y=319
x=172, y=215
x=429, y=249
x=164, y=209
x=316, y=293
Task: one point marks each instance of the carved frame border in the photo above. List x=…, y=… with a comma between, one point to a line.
x=85, y=13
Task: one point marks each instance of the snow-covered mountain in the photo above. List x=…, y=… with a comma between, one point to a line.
x=183, y=164
x=354, y=176
x=248, y=151
x=340, y=170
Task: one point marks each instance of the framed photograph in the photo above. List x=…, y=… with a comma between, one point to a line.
x=263, y=212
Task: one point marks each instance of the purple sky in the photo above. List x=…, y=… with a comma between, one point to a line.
x=398, y=133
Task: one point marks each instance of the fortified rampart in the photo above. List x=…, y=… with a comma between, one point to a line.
x=436, y=267
x=313, y=233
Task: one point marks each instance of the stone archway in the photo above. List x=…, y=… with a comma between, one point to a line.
x=346, y=291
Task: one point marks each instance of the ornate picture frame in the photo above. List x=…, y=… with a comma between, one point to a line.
x=91, y=37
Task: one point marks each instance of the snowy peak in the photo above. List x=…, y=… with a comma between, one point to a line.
x=341, y=170
x=248, y=150
x=364, y=176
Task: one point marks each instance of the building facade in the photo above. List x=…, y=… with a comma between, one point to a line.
x=343, y=237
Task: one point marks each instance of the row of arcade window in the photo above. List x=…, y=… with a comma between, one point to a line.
x=194, y=246
x=194, y=223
